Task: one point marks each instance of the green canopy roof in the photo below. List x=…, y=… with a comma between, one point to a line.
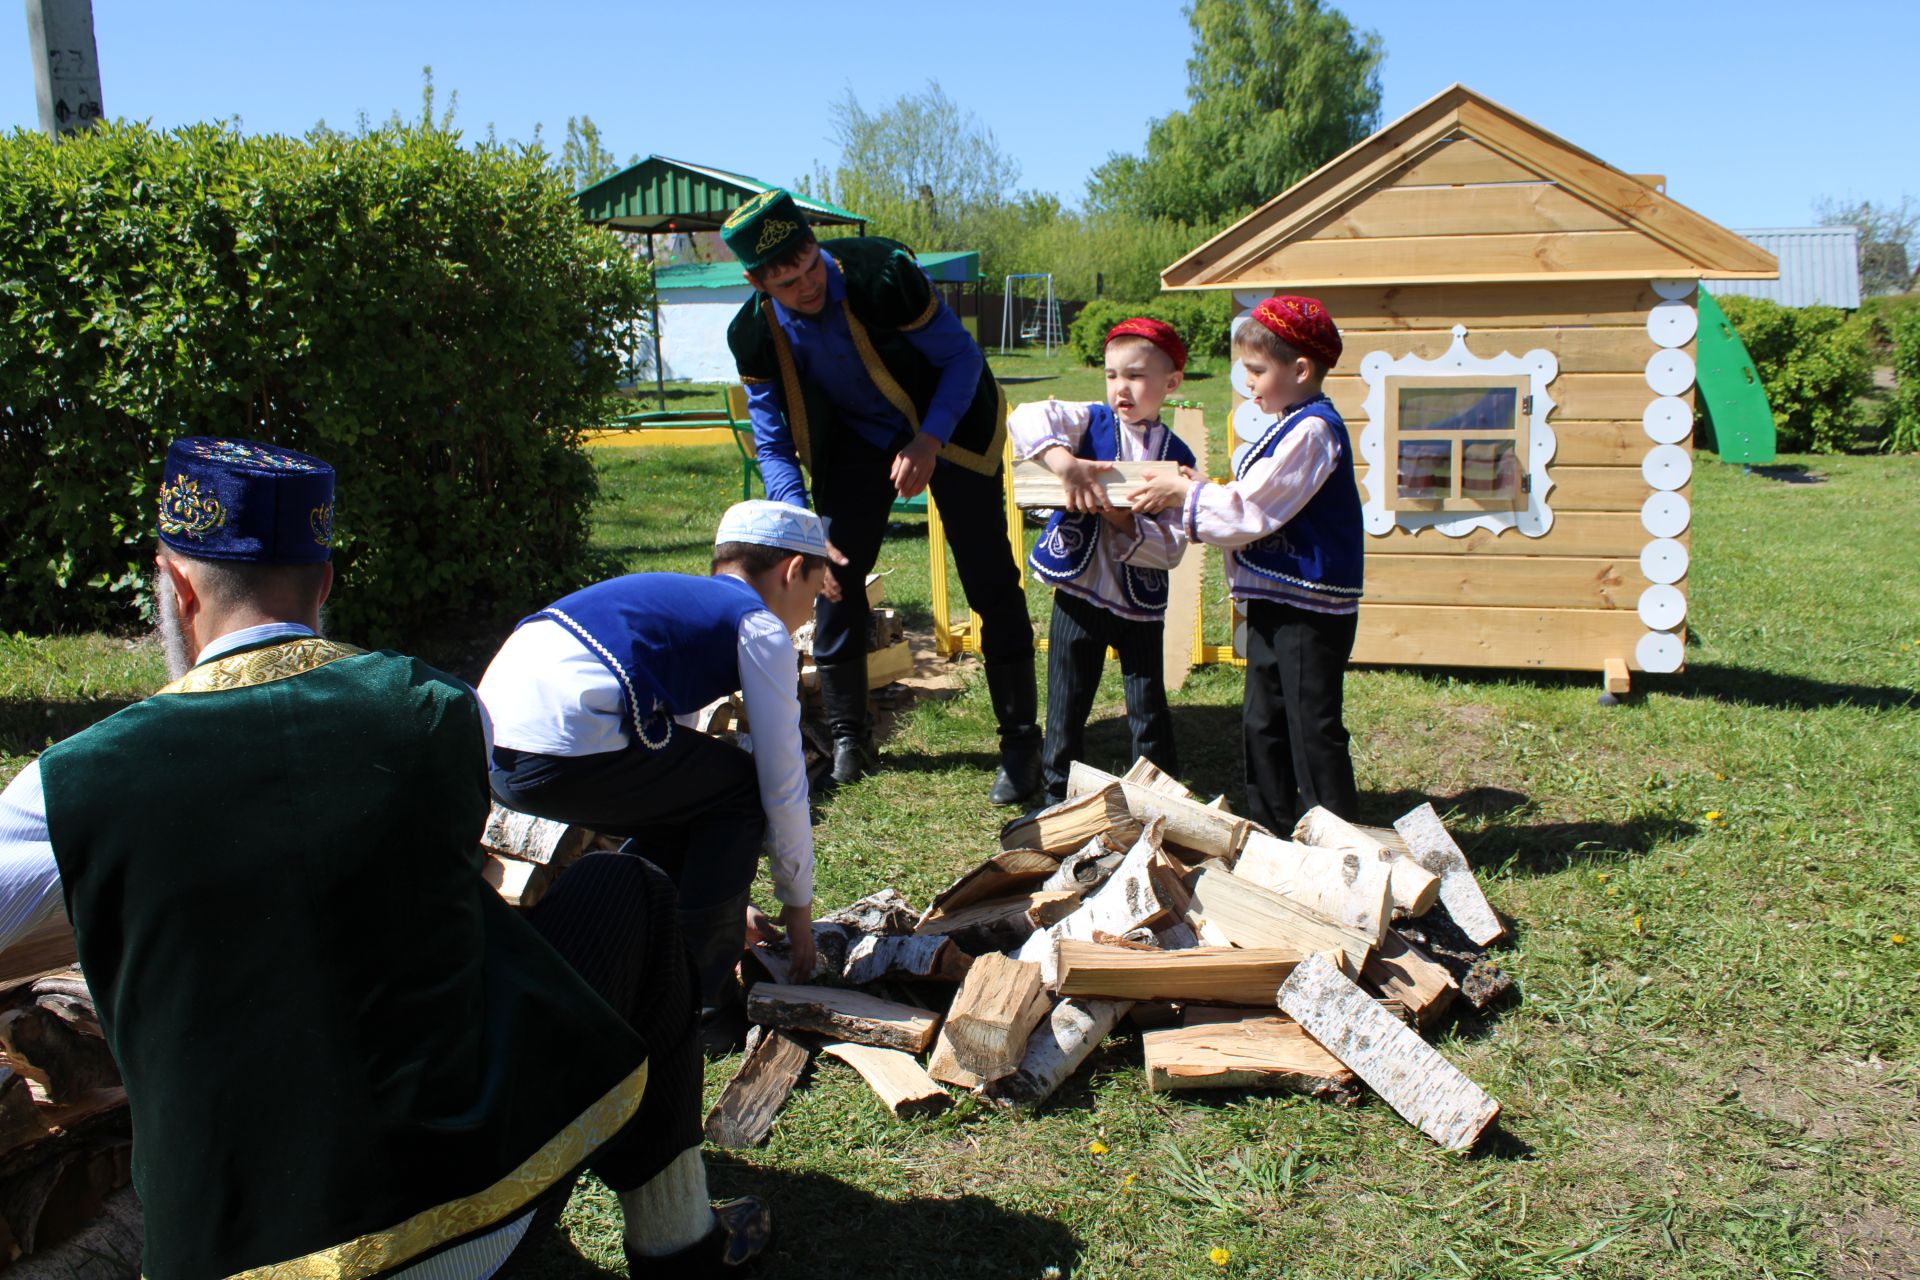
x=945, y=268
x=662, y=195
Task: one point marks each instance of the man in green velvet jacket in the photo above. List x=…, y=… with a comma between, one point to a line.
x=344, y=1053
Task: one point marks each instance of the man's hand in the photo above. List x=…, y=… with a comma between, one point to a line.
x=1159, y=490
x=1079, y=478
x=798, y=922
x=913, y=465
x=831, y=587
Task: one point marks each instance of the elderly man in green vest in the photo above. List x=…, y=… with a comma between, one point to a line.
x=858, y=372
x=344, y=1054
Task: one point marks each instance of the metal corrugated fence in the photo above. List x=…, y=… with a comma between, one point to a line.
x=1817, y=265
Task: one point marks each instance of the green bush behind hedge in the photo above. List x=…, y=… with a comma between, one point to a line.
x=1903, y=410
x=1204, y=322
x=432, y=319
x=1814, y=364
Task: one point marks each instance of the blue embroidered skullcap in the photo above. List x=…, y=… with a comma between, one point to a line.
x=773, y=524
x=225, y=499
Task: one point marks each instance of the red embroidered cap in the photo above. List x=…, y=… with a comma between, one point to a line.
x=1303, y=324
x=1158, y=332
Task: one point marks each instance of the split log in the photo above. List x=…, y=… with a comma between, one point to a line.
x=1065, y=827
x=1220, y=802
x=1431, y=846
x=1415, y=889
x=993, y=1014
x=1482, y=980
x=1232, y=975
x=1007, y=872
x=521, y=884
x=512, y=834
x=832, y=943
x=1064, y=1040
x=20, y=1119
x=1034, y=485
x=884, y=666
x=1003, y=922
x=1343, y=885
x=1250, y=916
x=66, y=1063
x=1151, y=776
x=845, y=1015
x=944, y=1067
x=885, y=912
x=1401, y=971
x=1190, y=825
x=1427, y=1090
x=895, y=1077
x=873, y=959
x=1144, y=891
x=772, y=1066
x=1085, y=871
x=1245, y=1053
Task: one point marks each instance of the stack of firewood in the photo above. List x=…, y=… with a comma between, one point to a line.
x=1317, y=963
x=65, y=1137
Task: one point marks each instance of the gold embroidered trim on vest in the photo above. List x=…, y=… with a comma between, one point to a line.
x=262, y=666
x=925, y=317
x=988, y=462
x=796, y=397
x=383, y=1250
x=750, y=381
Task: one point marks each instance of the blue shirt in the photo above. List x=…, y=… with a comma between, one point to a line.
x=824, y=354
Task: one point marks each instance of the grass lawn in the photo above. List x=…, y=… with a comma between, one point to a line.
x=1710, y=1070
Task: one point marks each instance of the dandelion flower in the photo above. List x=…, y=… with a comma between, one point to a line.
x=1640, y=925
x=1218, y=1256
x=1129, y=1182
x=1897, y=939
x=1097, y=1147
x=1605, y=876
x=1713, y=815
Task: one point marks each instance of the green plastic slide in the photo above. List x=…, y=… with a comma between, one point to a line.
x=1730, y=388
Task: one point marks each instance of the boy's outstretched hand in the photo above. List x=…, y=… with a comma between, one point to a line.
x=1160, y=490
x=1079, y=478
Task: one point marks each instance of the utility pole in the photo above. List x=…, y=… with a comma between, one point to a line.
x=66, y=64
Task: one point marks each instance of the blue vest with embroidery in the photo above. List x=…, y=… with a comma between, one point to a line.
x=1317, y=556
x=672, y=640
x=1072, y=538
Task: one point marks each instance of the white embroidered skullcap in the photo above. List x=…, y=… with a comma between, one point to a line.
x=773, y=524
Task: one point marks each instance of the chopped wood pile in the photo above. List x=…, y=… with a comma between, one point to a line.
x=1316, y=962
x=65, y=1135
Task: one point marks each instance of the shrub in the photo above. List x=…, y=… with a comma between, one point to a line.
x=432, y=319
x=1903, y=410
x=1203, y=319
x=1813, y=363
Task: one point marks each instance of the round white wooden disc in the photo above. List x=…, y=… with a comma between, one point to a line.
x=1248, y=299
x=1379, y=522
x=1248, y=422
x=1237, y=377
x=1239, y=452
x=1672, y=290
x=1668, y=420
x=1664, y=561
x=1670, y=372
x=1667, y=466
x=1662, y=607
x=1240, y=640
x=1673, y=323
x=1665, y=515
x=1659, y=652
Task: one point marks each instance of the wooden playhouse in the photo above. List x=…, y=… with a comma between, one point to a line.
x=1519, y=319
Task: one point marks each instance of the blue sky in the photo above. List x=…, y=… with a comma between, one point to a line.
x=1753, y=111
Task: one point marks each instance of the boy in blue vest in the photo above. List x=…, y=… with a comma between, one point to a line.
x=592, y=700
x=1290, y=521
x=1108, y=567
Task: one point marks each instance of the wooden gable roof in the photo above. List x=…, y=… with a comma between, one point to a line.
x=1462, y=190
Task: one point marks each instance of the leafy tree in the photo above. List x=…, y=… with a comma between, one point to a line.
x=584, y=158
x=1275, y=89
x=1887, y=240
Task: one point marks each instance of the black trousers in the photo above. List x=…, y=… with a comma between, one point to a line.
x=1077, y=642
x=692, y=808
x=854, y=496
x=1296, y=743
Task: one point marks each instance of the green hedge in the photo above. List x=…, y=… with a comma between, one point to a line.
x=1903, y=410
x=1204, y=321
x=432, y=319
x=1814, y=364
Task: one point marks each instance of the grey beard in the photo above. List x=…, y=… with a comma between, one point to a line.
x=173, y=637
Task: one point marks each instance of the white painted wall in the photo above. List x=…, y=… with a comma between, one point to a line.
x=693, y=331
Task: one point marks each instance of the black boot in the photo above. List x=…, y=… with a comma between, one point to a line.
x=716, y=936
x=1016, y=706
x=843, y=687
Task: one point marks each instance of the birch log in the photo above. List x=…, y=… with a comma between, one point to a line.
x=1062, y=828
x=1247, y=915
x=1342, y=885
x=1427, y=1090
x=1231, y=975
x=899, y=1082
x=1007, y=872
x=1151, y=776
x=512, y=834
x=1434, y=849
x=1058, y=1046
x=1415, y=889
x=1190, y=825
x=872, y=959
x=1141, y=893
